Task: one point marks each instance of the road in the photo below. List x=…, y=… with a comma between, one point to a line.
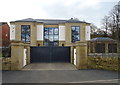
x=60, y=76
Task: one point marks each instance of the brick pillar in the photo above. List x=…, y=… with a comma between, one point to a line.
x=118, y=47
x=81, y=53
x=106, y=47
x=94, y=46
x=17, y=53
x=88, y=46
x=28, y=54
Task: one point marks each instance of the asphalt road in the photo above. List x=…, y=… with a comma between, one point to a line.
x=60, y=76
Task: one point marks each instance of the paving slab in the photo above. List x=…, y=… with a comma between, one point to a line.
x=50, y=66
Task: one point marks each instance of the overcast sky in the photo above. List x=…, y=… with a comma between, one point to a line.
x=88, y=10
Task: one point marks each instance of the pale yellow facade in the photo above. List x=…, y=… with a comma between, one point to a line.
x=33, y=30
x=18, y=46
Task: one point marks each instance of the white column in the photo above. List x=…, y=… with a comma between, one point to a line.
x=12, y=32
x=62, y=33
x=40, y=30
x=87, y=34
x=24, y=57
x=74, y=56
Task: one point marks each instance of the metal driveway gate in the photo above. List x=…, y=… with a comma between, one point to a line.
x=49, y=54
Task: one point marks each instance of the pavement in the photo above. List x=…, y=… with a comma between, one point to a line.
x=0, y=77
x=60, y=76
x=50, y=66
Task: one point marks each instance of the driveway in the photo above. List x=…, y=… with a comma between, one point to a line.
x=50, y=66
x=60, y=76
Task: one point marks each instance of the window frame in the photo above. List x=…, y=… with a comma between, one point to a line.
x=26, y=34
x=75, y=35
x=49, y=43
x=113, y=48
x=102, y=47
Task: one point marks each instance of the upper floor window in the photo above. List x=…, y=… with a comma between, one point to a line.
x=25, y=33
x=75, y=30
x=51, y=36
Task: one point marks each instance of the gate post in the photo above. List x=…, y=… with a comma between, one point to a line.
x=17, y=53
x=72, y=54
x=28, y=54
x=81, y=56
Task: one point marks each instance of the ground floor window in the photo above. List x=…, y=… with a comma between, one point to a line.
x=100, y=48
x=112, y=48
x=51, y=36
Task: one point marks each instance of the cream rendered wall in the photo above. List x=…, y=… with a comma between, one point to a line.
x=68, y=32
x=12, y=32
x=62, y=33
x=32, y=31
x=87, y=28
x=40, y=33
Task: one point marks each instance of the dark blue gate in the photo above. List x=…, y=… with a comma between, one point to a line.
x=49, y=54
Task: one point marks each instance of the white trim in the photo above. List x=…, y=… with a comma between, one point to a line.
x=24, y=57
x=40, y=32
x=62, y=32
x=87, y=32
x=12, y=32
x=75, y=56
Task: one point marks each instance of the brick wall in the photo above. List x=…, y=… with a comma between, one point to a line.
x=5, y=34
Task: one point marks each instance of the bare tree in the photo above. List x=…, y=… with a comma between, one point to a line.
x=115, y=21
x=93, y=28
x=111, y=23
x=105, y=25
x=97, y=32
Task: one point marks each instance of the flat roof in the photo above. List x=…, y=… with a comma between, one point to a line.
x=101, y=39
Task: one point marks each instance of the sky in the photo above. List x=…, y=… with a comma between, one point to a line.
x=91, y=11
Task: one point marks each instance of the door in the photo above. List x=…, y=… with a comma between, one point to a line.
x=49, y=54
x=24, y=58
x=74, y=56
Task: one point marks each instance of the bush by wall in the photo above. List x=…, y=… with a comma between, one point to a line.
x=6, y=52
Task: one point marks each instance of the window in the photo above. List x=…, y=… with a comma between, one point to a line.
x=100, y=48
x=25, y=33
x=75, y=33
x=51, y=36
x=112, y=48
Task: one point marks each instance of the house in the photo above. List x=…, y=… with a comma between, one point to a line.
x=4, y=39
x=46, y=32
x=48, y=40
x=4, y=35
